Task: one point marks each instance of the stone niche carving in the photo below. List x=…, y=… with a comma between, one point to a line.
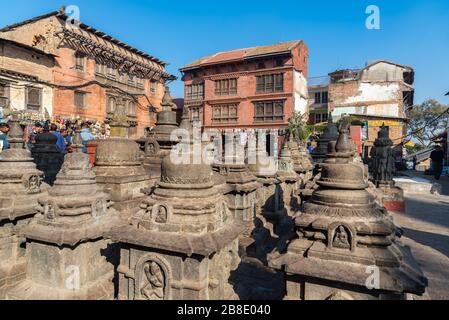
x=339, y=232
x=177, y=245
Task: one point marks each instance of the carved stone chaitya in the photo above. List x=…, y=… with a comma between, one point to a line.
x=330, y=134
x=234, y=179
x=343, y=237
x=119, y=170
x=383, y=168
x=183, y=243
x=303, y=166
x=47, y=157
x=21, y=187
x=159, y=142
x=68, y=258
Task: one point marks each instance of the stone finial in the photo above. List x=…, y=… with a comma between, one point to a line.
x=15, y=136
x=77, y=142
x=167, y=102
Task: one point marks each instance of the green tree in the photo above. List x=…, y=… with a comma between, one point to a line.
x=426, y=120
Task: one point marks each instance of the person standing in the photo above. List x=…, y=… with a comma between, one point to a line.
x=60, y=143
x=36, y=129
x=86, y=136
x=437, y=157
x=4, y=129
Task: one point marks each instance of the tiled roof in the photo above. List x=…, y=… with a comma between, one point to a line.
x=61, y=14
x=241, y=54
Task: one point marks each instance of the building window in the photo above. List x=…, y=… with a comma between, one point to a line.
x=110, y=107
x=195, y=91
x=226, y=87
x=33, y=98
x=279, y=62
x=317, y=97
x=153, y=86
x=324, y=97
x=260, y=65
x=195, y=114
x=269, y=111
x=224, y=113
x=270, y=83
x=80, y=99
x=321, y=117
x=80, y=61
x=4, y=95
x=132, y=109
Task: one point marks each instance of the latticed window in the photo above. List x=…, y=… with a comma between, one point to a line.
x=226, y=87
x=4, y=95
x=270, y=83
x=33, y=98
x=195, y=91
x=224, y=113
x=110, y=106
x=79, y=61
x=153, y=86
x=268, y=111
x=80, y=99
x=132, y=108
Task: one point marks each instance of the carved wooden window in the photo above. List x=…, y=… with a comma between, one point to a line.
x=110, y=107
x=324, y=97
x=224, y=113
x=317, y=97
x=33, y=98
x=226, y=87
x=80, y=99
x=270, y=83
x=80, y=61
x=153, y=86
x=4, y=95
x=195, y=91
x=132, y=109
x=268, y=111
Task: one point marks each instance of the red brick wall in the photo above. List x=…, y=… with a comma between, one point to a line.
x=246, y=73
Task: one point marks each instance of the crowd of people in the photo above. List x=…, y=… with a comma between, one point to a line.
x=64, y=136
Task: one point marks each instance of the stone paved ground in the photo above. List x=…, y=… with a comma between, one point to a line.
x=426, y=227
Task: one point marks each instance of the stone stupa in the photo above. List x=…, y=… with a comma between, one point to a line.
x=183, y=243
x=383, y=168
x=330, y=134
x=118, y=166
x=21, y=187
x=68, y=257
x=343, y=236
x=159, y=142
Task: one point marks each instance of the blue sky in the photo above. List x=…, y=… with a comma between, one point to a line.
x=414, y=33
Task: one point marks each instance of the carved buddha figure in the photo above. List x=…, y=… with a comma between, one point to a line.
x=153, y=288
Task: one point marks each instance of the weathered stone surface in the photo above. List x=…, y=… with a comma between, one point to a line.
x=119, y=171
x=329, y=134
x=341, y=233
x=21, y=185
x=68, y=258
x=183, y=243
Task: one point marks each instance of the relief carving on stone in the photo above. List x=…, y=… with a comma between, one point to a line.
x=161, y=215
x=341, y=236
x=153, y=282
x=50, y=210
x=32, y=183
x=99, y=208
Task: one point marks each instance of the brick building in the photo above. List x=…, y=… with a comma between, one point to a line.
x=24, y=70
x=257, y=87
x=380, y=93
x=93, y=72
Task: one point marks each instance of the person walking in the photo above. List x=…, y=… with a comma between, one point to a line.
x=437, y=157
x=86, y=136
x=4, y=129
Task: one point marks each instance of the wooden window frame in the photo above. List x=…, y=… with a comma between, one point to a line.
x=226, y=87
x=75, y=101
x=225, y=117
x=268, y=116
x=32, y=107
x=5, y=95
x=317, y=97
x=270, y=83
x=195, y=91
x=80, y=61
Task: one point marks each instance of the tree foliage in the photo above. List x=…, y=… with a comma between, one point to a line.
x=427, y=120
x=298, y=127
